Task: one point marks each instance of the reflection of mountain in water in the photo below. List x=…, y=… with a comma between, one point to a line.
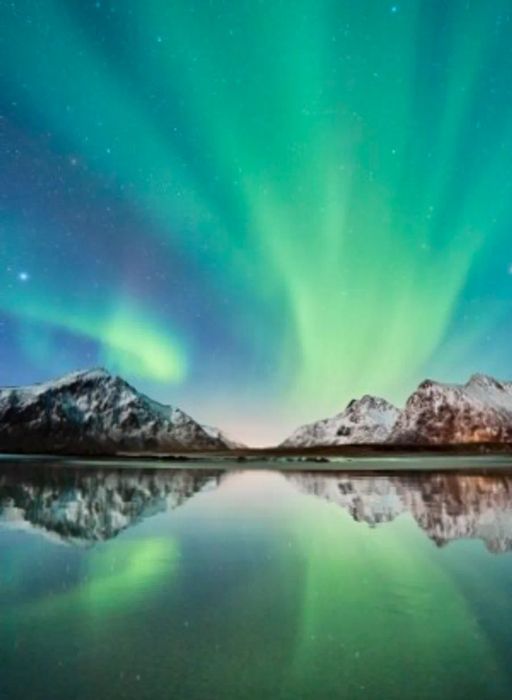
x=90, y=505
x=93, y=505
x=446, y=506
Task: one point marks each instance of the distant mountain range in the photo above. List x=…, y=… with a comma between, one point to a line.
x=479, y=411
x=93, y=412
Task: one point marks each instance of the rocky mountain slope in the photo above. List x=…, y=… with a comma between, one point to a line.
x=94, y=412
x=224, y=437
x=478, y=411
x=364, y=421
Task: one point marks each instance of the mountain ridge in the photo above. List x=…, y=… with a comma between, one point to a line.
x=367, y=420
x=436, y=413
x=94, y=412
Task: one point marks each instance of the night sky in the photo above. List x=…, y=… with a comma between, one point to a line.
x=256, y=209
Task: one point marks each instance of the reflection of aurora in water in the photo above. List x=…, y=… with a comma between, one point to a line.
x=382, y=601
x=254, y=584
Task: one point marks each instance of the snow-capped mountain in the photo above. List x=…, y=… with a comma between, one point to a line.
x=364, y=421
x=82, y=506
x=478, y=411
x=94, y=412
x=446, y=506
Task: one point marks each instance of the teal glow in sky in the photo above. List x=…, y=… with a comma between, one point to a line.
x=256, y=210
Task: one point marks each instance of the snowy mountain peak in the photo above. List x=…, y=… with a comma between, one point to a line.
x=484, y=379
x=364, y=421
x=436, y=413
x=368, y=402
x=93, y=412
x=488, y=382
x=86, y=374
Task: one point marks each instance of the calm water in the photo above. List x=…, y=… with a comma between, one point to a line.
x=214, y=585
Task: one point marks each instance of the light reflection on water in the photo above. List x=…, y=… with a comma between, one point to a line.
x=202, y=583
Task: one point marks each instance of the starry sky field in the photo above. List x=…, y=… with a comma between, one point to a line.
x=256, y=209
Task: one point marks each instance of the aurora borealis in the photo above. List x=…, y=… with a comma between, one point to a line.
x=256, y=209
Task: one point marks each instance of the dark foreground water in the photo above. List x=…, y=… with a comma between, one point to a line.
x=211, y=585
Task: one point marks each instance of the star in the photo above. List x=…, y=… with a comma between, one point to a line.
x=394, y=9
x=23, y=276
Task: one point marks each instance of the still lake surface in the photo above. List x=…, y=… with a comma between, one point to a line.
x=201, y=583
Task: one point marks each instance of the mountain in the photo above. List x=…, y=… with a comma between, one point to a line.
x=364, y=421
x=436, y=413
x=447, y=507
x=94, y=412
x=86, y=506
x=479, y=411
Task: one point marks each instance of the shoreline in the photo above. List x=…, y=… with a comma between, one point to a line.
x=475, y=463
